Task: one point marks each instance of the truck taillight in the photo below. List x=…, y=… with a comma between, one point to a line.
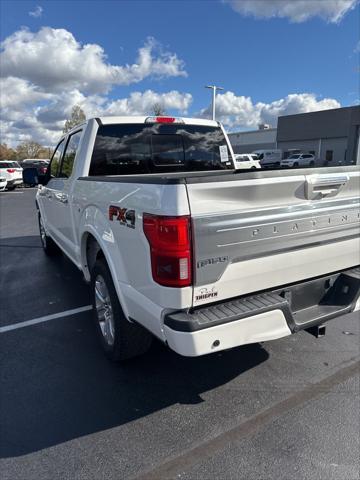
x=170, y=247
x=164, y=120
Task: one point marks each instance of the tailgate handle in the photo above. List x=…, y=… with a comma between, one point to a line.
x=324, y=185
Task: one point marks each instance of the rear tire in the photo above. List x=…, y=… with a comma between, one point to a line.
x=120, y=339
x=312, y=163
x=296, y=165
x=48, y=244
x=11, y=188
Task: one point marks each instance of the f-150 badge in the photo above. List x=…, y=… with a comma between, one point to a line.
x=123, y=215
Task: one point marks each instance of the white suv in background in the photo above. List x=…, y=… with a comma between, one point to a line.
x=3, y=182
x=13, y=173
x=246, y=161
x=299, y=160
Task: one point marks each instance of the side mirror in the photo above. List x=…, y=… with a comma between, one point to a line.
x=30, y=176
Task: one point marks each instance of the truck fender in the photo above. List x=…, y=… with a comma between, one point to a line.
x=94, y=223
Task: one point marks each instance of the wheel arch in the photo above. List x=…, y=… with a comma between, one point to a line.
x=91, y=249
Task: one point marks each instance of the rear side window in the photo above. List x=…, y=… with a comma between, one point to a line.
x=56, y=159
x=69, y=155
x=5, y=165
x=125, y=149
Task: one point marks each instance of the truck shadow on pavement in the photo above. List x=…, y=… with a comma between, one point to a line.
x=56, y=384
x=73, y=391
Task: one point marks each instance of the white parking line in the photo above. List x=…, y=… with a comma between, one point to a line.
x=47, y=318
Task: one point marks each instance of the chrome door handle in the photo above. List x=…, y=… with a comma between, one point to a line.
x=324, y=185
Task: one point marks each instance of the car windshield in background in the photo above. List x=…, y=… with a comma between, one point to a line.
x=294, y=157
x=9, y=165
x=125, y=149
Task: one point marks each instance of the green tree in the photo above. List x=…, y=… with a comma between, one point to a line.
x=76, y=118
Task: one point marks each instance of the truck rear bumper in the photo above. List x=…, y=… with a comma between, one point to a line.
x=265, y=316
x=258, y=328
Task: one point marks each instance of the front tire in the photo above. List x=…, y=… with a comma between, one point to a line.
x=48, y=244
x=120, y=339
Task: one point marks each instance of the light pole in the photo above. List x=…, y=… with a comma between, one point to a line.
x=213, y=88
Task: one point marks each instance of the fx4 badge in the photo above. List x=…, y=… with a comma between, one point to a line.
x=122, y=215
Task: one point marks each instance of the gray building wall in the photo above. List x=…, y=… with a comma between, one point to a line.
x=334, y=130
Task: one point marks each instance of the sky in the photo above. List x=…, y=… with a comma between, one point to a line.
x=111, y=57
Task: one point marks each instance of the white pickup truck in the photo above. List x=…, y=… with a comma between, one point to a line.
x=179, y=245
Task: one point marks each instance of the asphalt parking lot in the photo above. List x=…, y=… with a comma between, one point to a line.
x=284, y=409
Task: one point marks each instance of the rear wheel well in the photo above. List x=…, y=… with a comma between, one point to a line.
x=92, y=252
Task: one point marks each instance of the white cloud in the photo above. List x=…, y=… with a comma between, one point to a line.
x=54, y=60
x=357, y=47
x=295, y=10
x=141, y=103
x=37, y=12
x=240, y=112
x=44, y=123
x=44, y=74
x=16, y=92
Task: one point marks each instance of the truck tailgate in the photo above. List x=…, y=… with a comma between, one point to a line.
x=257, y=231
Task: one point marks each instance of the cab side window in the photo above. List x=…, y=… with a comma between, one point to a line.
x=70, y=154
x=56, y=159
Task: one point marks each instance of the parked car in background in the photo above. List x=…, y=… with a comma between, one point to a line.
x=269, y=158
x=3, y=183
x=40, y=165
x=246, y=161
x=12, y=171
x=299, y=160
x=291, y=151
x=31, y=160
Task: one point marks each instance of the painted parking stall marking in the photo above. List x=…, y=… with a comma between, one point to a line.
x=46, y=318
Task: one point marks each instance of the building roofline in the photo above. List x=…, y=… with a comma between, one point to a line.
x=253, y=131
x=351, y=107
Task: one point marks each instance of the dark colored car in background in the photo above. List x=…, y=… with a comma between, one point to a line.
x=40, y=165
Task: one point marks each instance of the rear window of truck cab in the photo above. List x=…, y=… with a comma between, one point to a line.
x=125, y=149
